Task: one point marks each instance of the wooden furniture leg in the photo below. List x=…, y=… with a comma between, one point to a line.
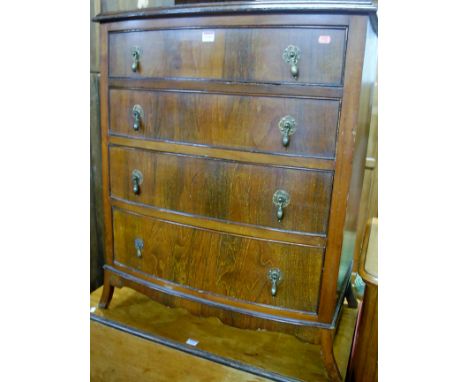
x=350, y=298
x=326, y=340
x=107, y=292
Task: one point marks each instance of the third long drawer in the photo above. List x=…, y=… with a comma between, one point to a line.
x=226, y=190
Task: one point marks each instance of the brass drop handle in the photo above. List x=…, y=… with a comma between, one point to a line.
x=137, y=180
x=139, y=247
x=279, y=213
x=281, y=200
x=138, y=115
x=136, y=54
x=287, y=127
x=291, y=56
x=275, y=276
x=136, y=186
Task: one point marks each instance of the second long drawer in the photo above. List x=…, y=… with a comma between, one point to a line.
x=247, y=123
x=230, y=191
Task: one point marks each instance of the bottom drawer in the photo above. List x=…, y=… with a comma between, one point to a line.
x=218, y=263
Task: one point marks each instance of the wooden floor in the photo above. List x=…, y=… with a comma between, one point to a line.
x=120, y=356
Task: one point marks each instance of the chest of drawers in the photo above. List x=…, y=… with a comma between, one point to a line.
x=233, y=140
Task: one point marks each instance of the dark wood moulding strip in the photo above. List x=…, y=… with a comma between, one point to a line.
x=274, y=20
x=244, y=7
x=307, y=163
x=227, y=87
x=255, y=232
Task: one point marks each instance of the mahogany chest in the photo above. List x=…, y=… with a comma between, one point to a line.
x=233, y=140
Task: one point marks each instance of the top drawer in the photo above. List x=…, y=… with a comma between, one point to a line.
x=232, y=54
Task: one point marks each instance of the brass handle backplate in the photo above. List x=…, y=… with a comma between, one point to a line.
x=275, y=276
x=287, y=126
x=138, y=115
x=139, y=247
x=291, y=56
x=281, y=200
x=136, y=54
x=137, y=180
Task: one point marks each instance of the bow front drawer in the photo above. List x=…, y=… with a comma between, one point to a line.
x=308, y=55
x=280, y=125
x=252, y=270
x=282, y=198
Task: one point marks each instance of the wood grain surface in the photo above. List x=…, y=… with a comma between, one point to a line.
x=120, y=357
x=235, y=54
x=243, y=122
x=265, y=233
x=322, y=9
x=238, y=313
x=223, y=190
x=351, y=144
x=225, y=153
x=368, y=206
x=110, y=6
x=205, y=71
x=278, y=352
x=222, y=87
x=364, y=361
x=224, y=264
x=96, y=207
